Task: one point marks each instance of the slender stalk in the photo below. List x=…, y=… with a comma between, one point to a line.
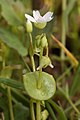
x=69, y=100
x=9, y=97
x=33, y=63
x=40, y=71
x=38, y=110
x=64, y=74
x=26, y=64
x=74, y=107
x=47, y=51
x=31, y=55
x=32, y=110
x=10, y=103
x=70, y=107
x=50, y=111
x=33, y=67
x=3, y=63
x=63, y=37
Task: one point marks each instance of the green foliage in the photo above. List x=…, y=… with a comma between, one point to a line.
x=20, y=112
x=12, y=83
x=9, y=14
x=76, y=82
x=12, y=41
x=59, y=110
x=4, y=107
x=44, y=92
x=70, y=6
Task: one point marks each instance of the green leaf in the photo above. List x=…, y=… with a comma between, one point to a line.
x=4, y=107
x=50, y=110
x=79, y=117
x=20, y=112
x=12, y=41
x=59, y=110
x=6, y=72
x=20, y=97
x=2, y=90
x=76, y=82
x=9, y=14
x=70, y=6
x=12, y=83
x=47, y=89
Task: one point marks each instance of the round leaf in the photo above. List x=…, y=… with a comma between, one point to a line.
x=47, y=89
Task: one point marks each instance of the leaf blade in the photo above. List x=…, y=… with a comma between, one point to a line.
x=12, y=41
x=58, y=109
x=9, y=14
x=12, y=83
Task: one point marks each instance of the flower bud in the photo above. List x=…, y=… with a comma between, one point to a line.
x=41, y=41
x=44, y=42
x=45, y=61
x=45, y=114
x=38, y=41
x=40, y=25
x=29, y=27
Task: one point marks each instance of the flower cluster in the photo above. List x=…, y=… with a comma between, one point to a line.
x=41, y=40
x=38, y=20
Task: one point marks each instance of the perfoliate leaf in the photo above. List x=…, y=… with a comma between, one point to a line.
x=47, y=89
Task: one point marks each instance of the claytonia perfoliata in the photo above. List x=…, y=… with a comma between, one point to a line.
x=45, y=61
x=40, y=21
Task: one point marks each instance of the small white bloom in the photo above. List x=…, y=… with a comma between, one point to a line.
x=39, y=21
x=37, y=18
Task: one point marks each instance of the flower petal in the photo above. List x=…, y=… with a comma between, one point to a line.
x=30, y=18
x=51, y=65
x=36, y=14
x=40, y=20
x=48, y=16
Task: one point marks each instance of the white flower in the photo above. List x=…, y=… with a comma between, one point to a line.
x=39, y=21
x=38, y=18
x=45, y=61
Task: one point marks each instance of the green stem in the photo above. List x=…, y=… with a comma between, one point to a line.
x=38, y=110
x=50, y=111
x=32, y=110
x=31, y=55
x=69, y=100
x=68, y=109
x=3, y=63
x=63, y=37
x=33, y=66
x=33, y=63
x=39, y=80
x=10, y=103
x=47, y=51
x=26, y=64
x=9, y=98
x=74, y=107
x=63, y=24
x=64, y=74
x=40, y=71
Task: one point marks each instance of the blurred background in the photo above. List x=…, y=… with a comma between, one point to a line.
x=14, y=46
